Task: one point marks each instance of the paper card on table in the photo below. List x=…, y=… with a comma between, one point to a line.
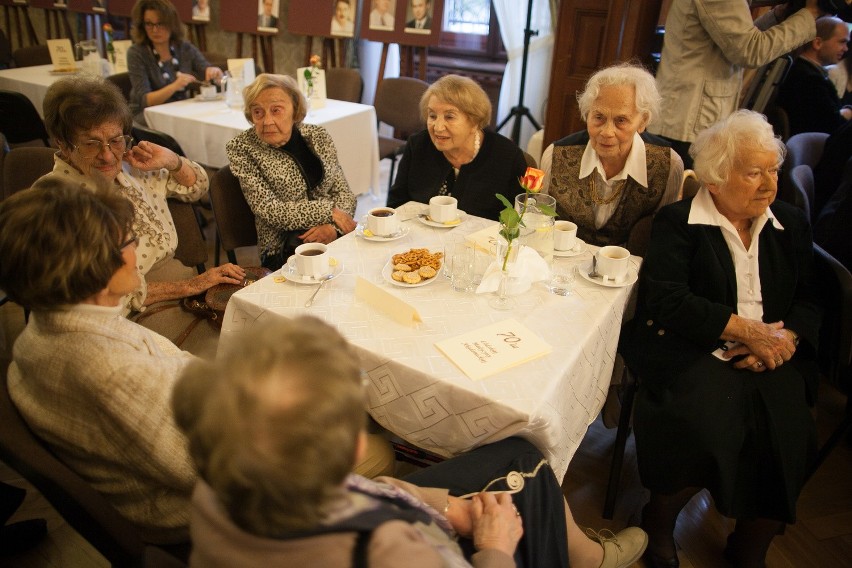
x=121, y=46
x=494, y=348
x=386, y=302
x=243, y=69
x=486, y=238
x=318, y=92
x=61, y=54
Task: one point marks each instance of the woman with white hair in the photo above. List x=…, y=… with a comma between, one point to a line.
x=612, y=174
x=724, y=340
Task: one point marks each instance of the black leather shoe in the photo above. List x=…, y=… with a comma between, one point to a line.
x=654, y=561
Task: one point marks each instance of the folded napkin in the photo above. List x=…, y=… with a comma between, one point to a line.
x=529, y=268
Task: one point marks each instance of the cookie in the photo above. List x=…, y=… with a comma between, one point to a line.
x=411, y=277
x=427, y=272
x=397, y=275
x=402, y=267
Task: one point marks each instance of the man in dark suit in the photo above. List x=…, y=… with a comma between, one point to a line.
x=266, y=19
x=421, y=10
x=807, y=95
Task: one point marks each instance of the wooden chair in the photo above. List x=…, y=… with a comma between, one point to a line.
x=234, y=217
x=19, y=119
x=23, y=166
x=344, y=84
x=192, y=248
x=31, y=56
x=122, y=81
x=141, y=133
x=398, y=105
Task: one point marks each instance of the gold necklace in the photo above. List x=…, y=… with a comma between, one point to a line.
x=593, y=191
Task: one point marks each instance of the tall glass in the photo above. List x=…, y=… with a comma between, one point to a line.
x=537, y=231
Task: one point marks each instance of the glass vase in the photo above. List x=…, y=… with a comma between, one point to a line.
x=501, y=300
x=537, y=230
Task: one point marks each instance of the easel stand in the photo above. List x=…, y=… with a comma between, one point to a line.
x=198, y=35
x=22, y=17
x=521, y=111
x=56, y=24
x=259, y=43
x=406, y=63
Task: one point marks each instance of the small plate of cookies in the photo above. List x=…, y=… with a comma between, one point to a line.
x=412, y=268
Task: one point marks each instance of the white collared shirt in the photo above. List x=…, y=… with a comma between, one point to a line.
x=746, y=266
x=635, y=167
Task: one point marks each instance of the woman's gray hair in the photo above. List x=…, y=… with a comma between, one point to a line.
x=83, y=102
x=646, y=98
x=285, y=83
x=718, y=148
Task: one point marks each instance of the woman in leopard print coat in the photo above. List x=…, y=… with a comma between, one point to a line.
x=288, y=172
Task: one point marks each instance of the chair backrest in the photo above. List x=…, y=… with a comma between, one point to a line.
x=531, y=163
x=192, y=248
x=19, y=119
x=835, y=340
x=140, y=133
x=777, y=117
x=344, y=84
x=690, y=185
x=398, y=104
x=76, y=501
x=31, y=55
x=802, y=179
x=764, y=84
x=5, y=51
x=122, y=81
x=234, y=217
x=23, y=166
x=803, y=148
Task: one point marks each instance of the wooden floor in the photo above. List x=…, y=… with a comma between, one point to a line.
x=821, y=539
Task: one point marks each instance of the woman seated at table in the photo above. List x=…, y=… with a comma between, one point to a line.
x=160, y=63
x=730, y=267
x=288, y=171
x=89, y=120
x=455, y=155
x=274, y=428
x=612, y=174
x=94, y=386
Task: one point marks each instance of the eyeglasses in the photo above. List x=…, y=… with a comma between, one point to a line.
x=155, y=26
x=92, y=148
x=133, y=240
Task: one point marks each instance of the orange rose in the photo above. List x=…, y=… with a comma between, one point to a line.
x=315, y=60
x=533, y=180
x=107, y=28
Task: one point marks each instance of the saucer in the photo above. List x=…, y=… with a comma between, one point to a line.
x=387, y=270
x=290, y=273
x=578, y=249
x=73, y=71
x=424, y=218
x=361, y=227
x=632, y=277
x=218, y=97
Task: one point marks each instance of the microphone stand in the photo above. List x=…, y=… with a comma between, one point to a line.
x=520, y=111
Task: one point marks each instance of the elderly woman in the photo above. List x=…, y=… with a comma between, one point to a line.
x=274, y=436
x=455, y=155
x=288, y=171
x=90, y=123
x=724, y=341
x=90, y=383
x=608, y=177
x=160, y=63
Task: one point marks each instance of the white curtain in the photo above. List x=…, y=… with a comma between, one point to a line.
x=512, y=15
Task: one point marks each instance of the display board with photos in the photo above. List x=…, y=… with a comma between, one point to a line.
x=44, y=4
x=121, y=8
x=87, y=6
x=234, y=17
x=406, y=22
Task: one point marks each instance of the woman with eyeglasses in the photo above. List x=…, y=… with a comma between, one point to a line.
x=160, y=63
x=89, y=120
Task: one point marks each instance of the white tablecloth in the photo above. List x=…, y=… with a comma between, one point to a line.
x=31, y=81
x=418, y=393
x=202, y=128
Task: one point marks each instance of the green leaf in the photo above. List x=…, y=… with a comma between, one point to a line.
x=504, y=201
x=547, y=210
x=509, y=217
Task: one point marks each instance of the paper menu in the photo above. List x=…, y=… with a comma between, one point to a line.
x=242, y=69
x=61, y=54
x=385, y=302
x=486, y=238
x=494, y=348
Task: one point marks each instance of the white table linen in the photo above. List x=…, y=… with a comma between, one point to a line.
x=203, y=127
x=30, y=81
x=419, y=394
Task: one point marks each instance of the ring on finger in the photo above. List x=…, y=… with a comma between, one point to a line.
x=758, y=364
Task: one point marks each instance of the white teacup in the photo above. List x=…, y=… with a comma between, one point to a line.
x=310, y=261
x=208, y=92
x=564, y=235
x=443, y=208
x=613, y=263
x=382, y=221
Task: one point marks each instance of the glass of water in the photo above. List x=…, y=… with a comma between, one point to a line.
x=561, y=278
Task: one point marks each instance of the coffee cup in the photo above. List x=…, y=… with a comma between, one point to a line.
x=564, y=235
x=310, y=261
x=208, y=92
x=613, y=263
x=443, y=209
x=382, y=221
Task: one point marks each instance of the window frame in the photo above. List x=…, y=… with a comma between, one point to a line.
x=473, y=46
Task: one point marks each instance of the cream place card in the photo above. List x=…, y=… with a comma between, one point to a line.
x=494, y=348
x=242, y=69
x=121, y=46
x=316, y=93
x=486, y=238
x=385, y=302
x=61, y=54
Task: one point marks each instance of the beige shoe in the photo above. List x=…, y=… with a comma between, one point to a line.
x=620, y=550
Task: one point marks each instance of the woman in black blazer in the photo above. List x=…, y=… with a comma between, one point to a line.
x=724, y=343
